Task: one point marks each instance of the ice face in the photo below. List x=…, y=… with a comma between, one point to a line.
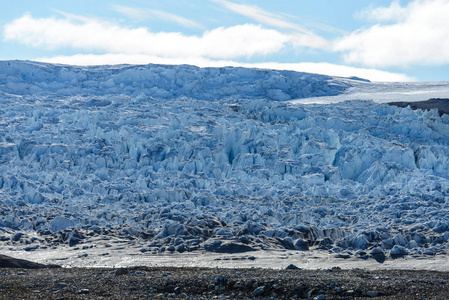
x=163, y=82
x=161, y=152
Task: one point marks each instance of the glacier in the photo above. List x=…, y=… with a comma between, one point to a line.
x=182, y=159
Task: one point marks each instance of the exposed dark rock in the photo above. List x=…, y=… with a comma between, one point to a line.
x=227, y=247
x=31, y=248
x=73, y=241
x=220, y=280
x=343, y=255
x=259, y=291
x=372, y=294
x=441, y=104
x=181, y=248
x=17, y=236
x=302, y=245
x=378, y=254
x=292, y=267
x=10, y=262
x=121, y=271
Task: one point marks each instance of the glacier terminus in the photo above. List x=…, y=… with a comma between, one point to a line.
x=181, y=159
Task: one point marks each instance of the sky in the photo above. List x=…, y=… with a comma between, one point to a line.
x=380, y=40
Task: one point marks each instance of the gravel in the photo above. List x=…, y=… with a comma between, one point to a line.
x=204, y=283
x=22, y=279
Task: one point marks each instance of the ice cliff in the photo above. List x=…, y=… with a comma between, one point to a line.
x=162, y=82
x=217, y=159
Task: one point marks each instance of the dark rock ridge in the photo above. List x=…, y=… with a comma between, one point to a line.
x=11, y=262
x=442, y=104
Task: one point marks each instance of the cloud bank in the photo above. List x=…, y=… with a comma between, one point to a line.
x=245, y=40
x=416, y=34
x=225, y=46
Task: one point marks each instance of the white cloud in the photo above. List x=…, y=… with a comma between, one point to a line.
x=305, y=37
x=340, y=70
x=394, y=12
x=94, y=35
x=214, y=48
x=318, y=68
x=142, y=14
x=419, y=36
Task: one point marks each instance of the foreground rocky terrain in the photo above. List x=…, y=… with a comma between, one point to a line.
x=203, y=283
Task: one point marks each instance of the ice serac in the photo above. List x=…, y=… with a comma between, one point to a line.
x=192, y=158
x=163, y=82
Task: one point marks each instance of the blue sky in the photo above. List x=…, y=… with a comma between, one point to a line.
x=380, y=40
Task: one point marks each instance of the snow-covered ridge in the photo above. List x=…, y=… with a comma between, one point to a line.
x=163, y=82
x=229, y=174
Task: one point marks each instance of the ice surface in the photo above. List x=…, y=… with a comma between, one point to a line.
x=380, y=92
x=162, y=82
x=179, y=157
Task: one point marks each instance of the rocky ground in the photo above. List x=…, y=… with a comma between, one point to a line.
x=441, y=104
x=28, y=282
